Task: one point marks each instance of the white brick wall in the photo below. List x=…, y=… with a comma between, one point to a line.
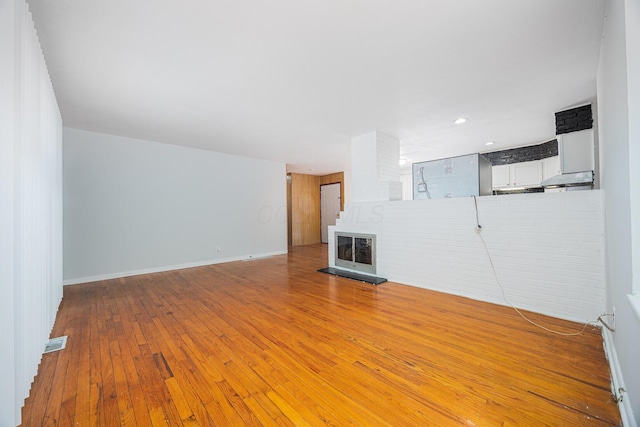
x=548, y=248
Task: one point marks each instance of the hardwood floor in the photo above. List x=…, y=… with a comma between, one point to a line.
x=273, y=342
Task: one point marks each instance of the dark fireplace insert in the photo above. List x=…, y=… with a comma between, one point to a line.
x=356, y=251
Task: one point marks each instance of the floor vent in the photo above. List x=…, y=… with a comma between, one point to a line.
x=55, y=344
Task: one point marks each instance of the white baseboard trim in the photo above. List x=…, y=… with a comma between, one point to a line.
x=110, y=276
x=617, y=381
x=634, y=300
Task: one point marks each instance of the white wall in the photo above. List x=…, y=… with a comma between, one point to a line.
x=375, y=171
x=347, y=187
x=620, y=179
x=548, y=248
x=632, y=26
x=407, y=186
x=134, y=206
x=30, y=207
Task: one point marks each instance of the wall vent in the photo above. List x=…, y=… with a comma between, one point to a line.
x=55, y=344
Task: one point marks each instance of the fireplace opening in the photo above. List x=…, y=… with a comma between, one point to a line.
x=356, y=251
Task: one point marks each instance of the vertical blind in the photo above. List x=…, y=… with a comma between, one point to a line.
x=31, y=200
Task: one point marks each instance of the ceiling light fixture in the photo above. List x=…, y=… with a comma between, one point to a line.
x=460, y=121
x=489, y=143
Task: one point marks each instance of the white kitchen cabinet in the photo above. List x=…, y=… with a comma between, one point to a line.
x=576, y=151
x=516, y=175
x=527, y=174
x=500, y=176
x=551, y=167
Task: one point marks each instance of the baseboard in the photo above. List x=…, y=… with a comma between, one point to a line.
x=617, y=381
x=167, y=268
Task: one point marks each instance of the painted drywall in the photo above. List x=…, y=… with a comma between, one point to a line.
x=548, y=248
x=134, y=206
x=407, y=186
x=348, y=182
x=374, y=167
x=620, y=167
x=30, y=207
x=632, y=26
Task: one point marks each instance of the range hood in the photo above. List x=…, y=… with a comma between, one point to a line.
x=575, y=179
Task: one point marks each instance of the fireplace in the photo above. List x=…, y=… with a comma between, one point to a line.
x=356, y=251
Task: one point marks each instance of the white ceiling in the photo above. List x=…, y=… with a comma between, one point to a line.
x=295, y=80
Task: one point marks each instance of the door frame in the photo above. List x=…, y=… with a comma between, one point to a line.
x=341, y=192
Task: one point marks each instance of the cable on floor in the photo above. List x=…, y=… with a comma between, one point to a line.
x=504, y=297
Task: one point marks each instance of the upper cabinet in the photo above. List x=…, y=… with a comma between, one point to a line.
x=551, y=167
x=526, y=174
x=576, y=151
x=572, y=152
x=500, y=176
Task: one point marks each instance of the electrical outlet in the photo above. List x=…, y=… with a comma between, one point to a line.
x=218, y=249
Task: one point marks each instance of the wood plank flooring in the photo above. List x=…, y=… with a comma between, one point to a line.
x=272, y=342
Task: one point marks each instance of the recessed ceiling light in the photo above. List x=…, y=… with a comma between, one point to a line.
x=460, y=121
x=489, y=143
